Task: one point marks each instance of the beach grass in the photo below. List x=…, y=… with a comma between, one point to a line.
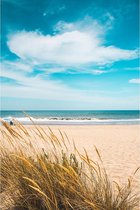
x=55, y=176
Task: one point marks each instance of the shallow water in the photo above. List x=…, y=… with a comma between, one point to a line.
x=74, y=117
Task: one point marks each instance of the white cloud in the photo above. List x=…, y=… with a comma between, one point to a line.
x=132, y=68
x=38, y=88
x=87, y=25
x=109, y=20
x=136, y=81
x=9, y=70
x=98, y=72
x=54, y=9
x=77, y=47
x=73, y=45
x=17, y=65
x=62, y=93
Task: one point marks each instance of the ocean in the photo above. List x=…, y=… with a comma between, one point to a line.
x=74, y=117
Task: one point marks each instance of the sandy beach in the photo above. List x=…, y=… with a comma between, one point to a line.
x=119, y=146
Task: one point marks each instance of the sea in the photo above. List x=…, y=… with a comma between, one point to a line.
x=73, y=117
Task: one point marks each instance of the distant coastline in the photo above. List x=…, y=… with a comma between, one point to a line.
x=74, y=117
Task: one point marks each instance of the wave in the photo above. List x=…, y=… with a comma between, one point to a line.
x=70, y=120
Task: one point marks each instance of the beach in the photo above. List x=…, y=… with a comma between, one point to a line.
x=119, y=146
x=114, y=147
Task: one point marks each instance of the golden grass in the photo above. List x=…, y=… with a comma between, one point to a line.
x=55, y=177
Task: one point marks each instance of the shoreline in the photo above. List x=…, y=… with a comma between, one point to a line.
x=78, y=125
x=74, y=117
x=73, y=122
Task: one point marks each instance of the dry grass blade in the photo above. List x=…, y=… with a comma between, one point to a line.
x=98, y=153
x=31, y=181
x=136, y=170
x=47, y=199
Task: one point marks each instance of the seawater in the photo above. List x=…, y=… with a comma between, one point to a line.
x=74, y=116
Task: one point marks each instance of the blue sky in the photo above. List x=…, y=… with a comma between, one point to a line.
x=67, y=54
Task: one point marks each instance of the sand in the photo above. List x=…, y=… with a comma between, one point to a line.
x=119, y=146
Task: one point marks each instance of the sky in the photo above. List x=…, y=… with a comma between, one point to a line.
x=69, y=55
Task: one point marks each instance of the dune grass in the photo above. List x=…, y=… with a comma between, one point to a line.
x=55, y=176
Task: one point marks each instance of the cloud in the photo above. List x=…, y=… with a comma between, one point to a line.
x=109, y=21
x=36, y=86
x=9, y=81
x=88, y=70
x=133, y=68
x=98, y=72
x=135, y=81
x=18, y=65
x=20, y=85
x=54, y=9
x=88, y=25
x=74, y=47
x=64, y=94
x=40, y=87
x=74, y=44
